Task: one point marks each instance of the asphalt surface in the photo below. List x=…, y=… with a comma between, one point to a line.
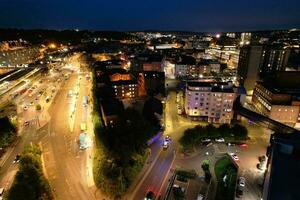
x=68, y=169
x=66, y=165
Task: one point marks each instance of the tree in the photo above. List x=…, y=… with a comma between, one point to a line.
x=240, y=132
x=212, y=131
x=205, y=167
x=225, y=130
x=30, y=181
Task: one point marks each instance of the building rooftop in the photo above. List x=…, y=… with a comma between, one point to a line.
x=275, y=88
x=124, y=82
x=215, y=86
x=187, y=60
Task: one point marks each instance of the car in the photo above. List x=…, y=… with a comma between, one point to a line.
x=17, y=158
x=1, y=193
x=206, y=140
x=26, y=123
x=168, y=138
x=165, y=145
x=234, y=157
x=261, y=165
x=150, y=196
x=262, y=158
x=179, y=111
x=241, y=181
x=200, y=197
x=220, y=140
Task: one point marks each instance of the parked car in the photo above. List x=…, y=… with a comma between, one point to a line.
x=234, y=157
x=262, y=158
x=17, y=158
x=220, y=140
x=1, y=193
x=200, y=197
x=242, y=181
x=206, y=140
x=26, y=123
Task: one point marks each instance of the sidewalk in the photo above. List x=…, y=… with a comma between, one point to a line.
x=149, y=163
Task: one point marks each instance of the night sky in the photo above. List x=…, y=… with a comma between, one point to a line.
x=190, y=15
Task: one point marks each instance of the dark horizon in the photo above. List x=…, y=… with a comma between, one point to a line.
x=191, y=15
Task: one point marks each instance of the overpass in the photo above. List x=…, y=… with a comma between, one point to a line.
x=261, y=119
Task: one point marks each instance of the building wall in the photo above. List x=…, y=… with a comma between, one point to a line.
x=248, y=67
x=126, y=91
x=285, y=114
x=210, y=106
x=275, y=106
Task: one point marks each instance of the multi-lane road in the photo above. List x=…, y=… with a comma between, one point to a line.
x=68, y=168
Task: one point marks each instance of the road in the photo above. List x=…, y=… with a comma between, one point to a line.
x=68, y=168
x=157, y=176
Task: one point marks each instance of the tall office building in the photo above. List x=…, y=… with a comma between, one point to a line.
x=274, y=58
x=256, y=62
x=248, y=66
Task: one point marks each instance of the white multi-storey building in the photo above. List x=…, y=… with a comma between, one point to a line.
x=210, y=101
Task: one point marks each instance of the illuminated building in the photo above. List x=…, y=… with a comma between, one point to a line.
x=210, y=101
x=125, y=89
x=245, y=39
x=258, y=61
x=280, y=104
x=186, y=66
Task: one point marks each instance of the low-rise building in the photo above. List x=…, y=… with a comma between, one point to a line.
x=185, y=67
x=210, y=101
x=208, y=66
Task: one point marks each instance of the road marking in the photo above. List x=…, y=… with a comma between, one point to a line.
x=159, y=191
